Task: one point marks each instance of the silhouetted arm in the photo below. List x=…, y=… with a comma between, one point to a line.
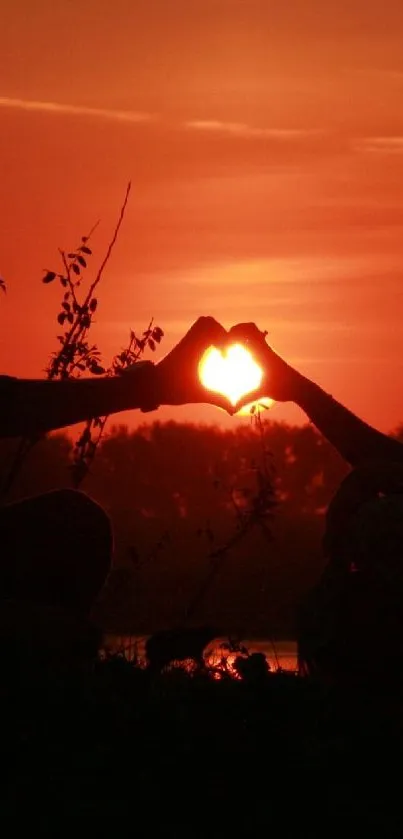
x=356, y=441
x=29, y=407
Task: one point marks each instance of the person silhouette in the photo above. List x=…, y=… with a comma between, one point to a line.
x=350, y=626
x=56, y=549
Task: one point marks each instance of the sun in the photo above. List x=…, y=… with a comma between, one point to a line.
x=233, y=373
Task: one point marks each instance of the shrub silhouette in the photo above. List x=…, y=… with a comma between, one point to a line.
x=178, y=644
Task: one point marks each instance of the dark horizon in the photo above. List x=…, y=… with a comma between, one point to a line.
x=167, y=489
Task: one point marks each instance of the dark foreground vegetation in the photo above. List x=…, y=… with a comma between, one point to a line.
x=102, y=744
x=174, y=493
x=196, y=753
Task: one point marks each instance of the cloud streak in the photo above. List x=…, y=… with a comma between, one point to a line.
x=75, y=110
x=240, y=129
x=212, y=127
x=381, y=145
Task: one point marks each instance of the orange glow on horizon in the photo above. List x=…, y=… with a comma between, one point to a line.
x=265, y=402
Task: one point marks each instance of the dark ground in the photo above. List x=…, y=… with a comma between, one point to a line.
x=116, y=748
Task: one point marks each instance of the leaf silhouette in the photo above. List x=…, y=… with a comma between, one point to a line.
x=49, y=277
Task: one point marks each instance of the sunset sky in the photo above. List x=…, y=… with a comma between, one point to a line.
x=264, y=141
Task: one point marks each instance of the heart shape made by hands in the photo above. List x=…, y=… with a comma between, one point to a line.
x=232, y=372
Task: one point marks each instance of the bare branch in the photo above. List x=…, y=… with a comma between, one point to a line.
x=111, y=244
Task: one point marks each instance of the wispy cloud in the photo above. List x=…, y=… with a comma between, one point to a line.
x=240, y=129
x=234, y=129
x=75, y=110
x=380, y=145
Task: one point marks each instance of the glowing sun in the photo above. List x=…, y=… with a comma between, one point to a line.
x=233, y=373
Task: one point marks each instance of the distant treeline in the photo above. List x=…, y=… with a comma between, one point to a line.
x=174, y=492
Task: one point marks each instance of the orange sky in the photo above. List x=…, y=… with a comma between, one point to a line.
x=264, y=141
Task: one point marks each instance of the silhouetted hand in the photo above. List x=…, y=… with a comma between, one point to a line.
x=279, y=379
x=177, y=373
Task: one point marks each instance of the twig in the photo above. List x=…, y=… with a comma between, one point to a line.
x=111, y=244
x=73, y=342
